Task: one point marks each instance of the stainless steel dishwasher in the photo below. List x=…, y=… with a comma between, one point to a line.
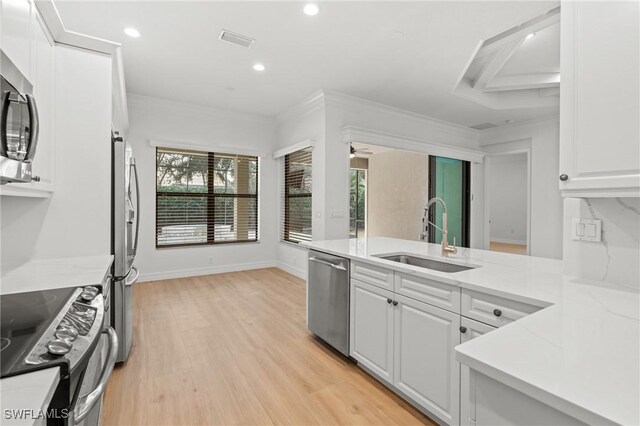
x=328, y=299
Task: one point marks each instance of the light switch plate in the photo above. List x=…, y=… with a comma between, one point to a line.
x=586, y=230
x=337, y=213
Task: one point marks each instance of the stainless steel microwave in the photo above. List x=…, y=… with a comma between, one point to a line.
x=18, y=125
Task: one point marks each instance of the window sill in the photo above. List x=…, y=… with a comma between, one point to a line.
x=289, y=243
x=194, y=246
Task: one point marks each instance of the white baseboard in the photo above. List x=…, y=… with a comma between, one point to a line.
x=300, y=273
x=508, y=241
x=194, y=272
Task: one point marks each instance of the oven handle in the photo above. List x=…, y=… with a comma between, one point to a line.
x=86, y=403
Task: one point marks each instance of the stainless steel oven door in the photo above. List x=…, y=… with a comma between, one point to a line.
x=86, y=411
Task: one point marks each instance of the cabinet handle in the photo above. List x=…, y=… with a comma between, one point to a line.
x=389, y=301
x=463, y=329
x=395, y=303
x=564, y=177
x=497, y=312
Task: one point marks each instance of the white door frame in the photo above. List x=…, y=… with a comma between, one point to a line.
x=487, y=194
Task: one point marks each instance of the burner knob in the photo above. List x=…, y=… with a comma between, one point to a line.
x=87, y=295
x=91, y=289
x=59, y=347
x=68, y=333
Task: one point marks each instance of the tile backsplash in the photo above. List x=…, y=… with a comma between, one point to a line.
x=616, y=259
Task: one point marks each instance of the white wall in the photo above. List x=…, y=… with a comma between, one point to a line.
x=297, y=125
x=546, y=204
x=322, y=116
x=160, y=120
x=508, y=189
x=75, y=220
x=397, y=191
x=615, y=259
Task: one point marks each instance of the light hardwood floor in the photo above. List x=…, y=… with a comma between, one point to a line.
x=508, y=248
x=234, y=349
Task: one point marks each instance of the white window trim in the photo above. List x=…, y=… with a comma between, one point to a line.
x=221, y=149
x=307, y=143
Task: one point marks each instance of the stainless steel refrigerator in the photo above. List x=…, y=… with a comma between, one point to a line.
x=125, y=225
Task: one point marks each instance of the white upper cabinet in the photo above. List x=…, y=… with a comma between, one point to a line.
x=599, y=102
x=17, y=34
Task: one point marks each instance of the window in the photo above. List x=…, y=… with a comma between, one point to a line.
x=205, y=198
x=297, y=196
x=357, y=203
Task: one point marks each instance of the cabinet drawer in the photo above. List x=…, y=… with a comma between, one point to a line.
x=433, y=292
x=493, y=310
x=380, y=277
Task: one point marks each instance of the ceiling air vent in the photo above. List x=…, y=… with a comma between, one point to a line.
x=235, y=38
x=483, y=126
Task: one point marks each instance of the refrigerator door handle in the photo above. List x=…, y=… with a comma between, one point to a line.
x=135, y=240
x=133, y=280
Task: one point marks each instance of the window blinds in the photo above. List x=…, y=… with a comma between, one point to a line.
x=205, y=198
x=296, y=210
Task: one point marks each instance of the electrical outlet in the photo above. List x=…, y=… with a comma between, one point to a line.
x=586, y=230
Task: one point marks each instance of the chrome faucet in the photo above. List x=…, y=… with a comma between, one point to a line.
x=446, y=248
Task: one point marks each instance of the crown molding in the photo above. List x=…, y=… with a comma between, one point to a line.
x=143, y=100
x=49, y=14
x=352, y=134
x=307, y=106
x=340, y=99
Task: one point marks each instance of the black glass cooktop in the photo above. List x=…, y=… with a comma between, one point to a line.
x=25, y=316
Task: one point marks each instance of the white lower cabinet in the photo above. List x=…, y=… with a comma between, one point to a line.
x=372, y=328
x=408, y=344
x=425, y=368
x=469, y=329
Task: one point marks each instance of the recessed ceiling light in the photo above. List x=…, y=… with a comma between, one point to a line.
x=132, y=32
x=258, y=67
x=530, y=36
x=509, y=121
x=311, y=9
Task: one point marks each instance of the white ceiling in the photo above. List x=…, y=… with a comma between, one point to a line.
x=351, y=47
x=538, y=55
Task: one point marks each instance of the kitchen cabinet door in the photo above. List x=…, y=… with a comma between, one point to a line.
x=425, y=366
x=17, y=33
x=371, y=328
x=469, y=329
x=599, y=103
x=43, y=163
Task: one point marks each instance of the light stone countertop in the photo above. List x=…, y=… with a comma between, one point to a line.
x=580, y=354
x=33, y=391
x=55, y=273
x=25, y=398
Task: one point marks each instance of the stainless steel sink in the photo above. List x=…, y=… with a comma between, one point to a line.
x=426, y=263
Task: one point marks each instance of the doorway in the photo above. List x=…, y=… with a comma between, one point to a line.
x=450, y=179
x=507, y=192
